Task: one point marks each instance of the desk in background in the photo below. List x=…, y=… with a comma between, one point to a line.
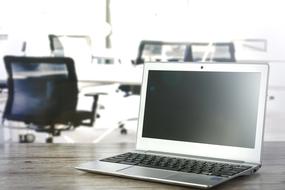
x=103, y=73
x=51, y=166
x=122, y=74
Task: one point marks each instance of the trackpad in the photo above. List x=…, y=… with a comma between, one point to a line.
x=147, y=172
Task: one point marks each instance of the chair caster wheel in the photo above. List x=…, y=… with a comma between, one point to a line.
x=124, y=131
x=27, y=138
x=49, y=140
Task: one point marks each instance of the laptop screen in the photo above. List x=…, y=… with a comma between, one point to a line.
x=217, y=108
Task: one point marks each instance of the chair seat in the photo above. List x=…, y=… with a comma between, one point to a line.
x=75, y=118
x=80, y=116
x=49, y=126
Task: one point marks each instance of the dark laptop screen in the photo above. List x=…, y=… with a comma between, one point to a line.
x=203, y=107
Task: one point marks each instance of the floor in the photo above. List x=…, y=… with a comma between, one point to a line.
x=114, y=108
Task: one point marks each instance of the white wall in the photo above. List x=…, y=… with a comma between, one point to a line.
x=199, y=20
x=33, y=20
x=134, y=20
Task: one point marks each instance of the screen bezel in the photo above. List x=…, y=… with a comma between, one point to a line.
x=201, y=149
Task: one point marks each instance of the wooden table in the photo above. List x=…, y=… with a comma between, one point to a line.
x=51, y=166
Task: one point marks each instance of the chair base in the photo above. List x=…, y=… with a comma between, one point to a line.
x=49, y=139
x=30, y=138
x=27, y=138
x=123, y=130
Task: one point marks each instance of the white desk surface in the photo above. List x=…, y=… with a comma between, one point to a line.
x=110, y=74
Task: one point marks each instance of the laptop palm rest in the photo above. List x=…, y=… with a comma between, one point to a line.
x=170, y=176
x=147, y=172
x=198, y=179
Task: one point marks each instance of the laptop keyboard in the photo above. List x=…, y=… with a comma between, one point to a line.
x=178, y=164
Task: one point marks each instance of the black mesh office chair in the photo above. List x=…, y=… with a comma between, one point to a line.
x=218, y=52
x=158, y=51
x=55, y=45
x=43, y=93
x=58, y=47
x=3, y=85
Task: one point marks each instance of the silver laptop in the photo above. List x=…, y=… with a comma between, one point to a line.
x=199, y=125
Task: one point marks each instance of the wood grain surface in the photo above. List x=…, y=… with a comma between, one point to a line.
x=51, y=166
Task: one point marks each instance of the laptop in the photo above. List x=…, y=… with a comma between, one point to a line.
x=199, y=125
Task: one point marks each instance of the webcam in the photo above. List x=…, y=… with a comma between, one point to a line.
x=202, y=67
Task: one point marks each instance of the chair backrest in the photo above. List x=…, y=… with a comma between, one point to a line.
x=40, y=89
x=3, y=85
x=56, y=46
x=159, y=51
x=78, y=47
x=217, y=52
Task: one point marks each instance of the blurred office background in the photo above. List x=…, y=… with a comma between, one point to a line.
x=103, y=37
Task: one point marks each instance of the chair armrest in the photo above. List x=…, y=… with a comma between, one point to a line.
x=95, y=96
x=95, y=93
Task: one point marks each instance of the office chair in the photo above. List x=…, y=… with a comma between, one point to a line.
x=158, y=51
x=43, y=93
x=56, y=46
x=3, y=85
x=79, y=47
x=219, y=52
